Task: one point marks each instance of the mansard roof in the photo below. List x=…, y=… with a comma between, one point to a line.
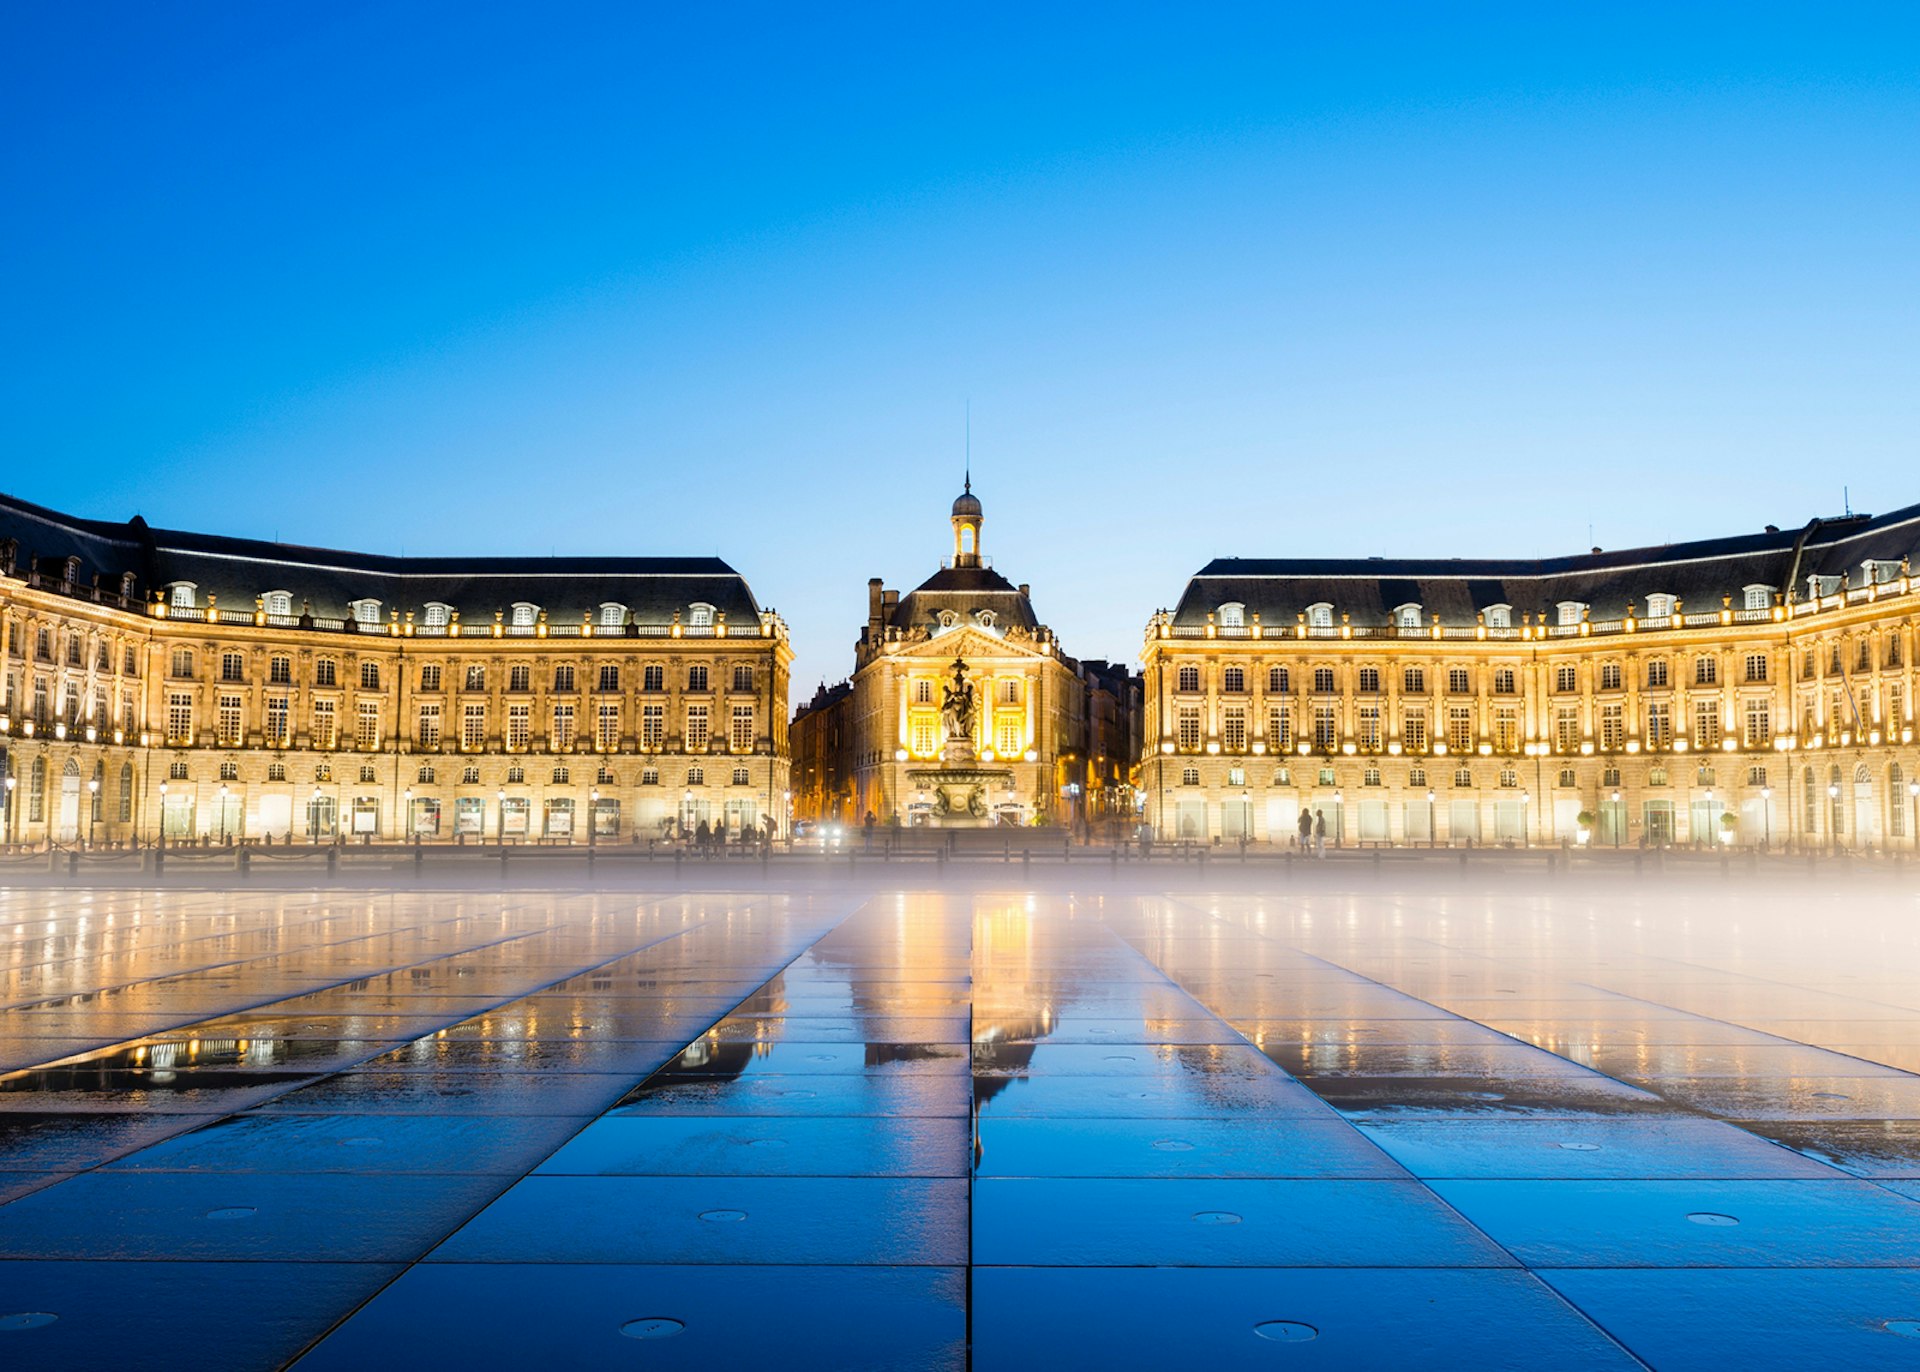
x=965, y=591
x=329, y=580
x=1456, y=590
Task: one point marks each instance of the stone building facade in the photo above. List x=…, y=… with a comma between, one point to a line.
x=1749, y=690
x=1049, y=741
x=219, y=688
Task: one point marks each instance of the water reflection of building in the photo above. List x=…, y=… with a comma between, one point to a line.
x=1049, y=739
x=296, y=693
x=1753, y=689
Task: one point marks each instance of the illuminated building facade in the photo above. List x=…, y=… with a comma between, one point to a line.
x=225, y=689
x=1045, y=739
x=1748, y=690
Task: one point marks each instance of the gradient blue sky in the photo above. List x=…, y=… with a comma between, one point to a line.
x=1293, y=280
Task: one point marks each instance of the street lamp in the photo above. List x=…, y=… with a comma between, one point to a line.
x=593, y=814
x=686, y=813
x=313, y=816
x=1618, y=815
x=223, y=814
x=406, y=816
x=93, y=807
x=1433, y=821
x=1833, y=816
x=500, y=832
x=161, y=841
x=1526, y=825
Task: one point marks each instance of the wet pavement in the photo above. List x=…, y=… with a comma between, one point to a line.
x=998, y=1129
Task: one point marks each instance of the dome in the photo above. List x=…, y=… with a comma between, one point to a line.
x=967, y=503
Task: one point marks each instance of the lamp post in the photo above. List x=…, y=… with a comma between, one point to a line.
x=223, y=814
x=500, y=825
x=407, y=832
x=93, y=807
x=1913, y=795
x=1766, y=813
x=1433, y=822
x=313, y=817
x=593, y=814
x=160, y=840
x=1526, y=819
x=1618, y=815
x=11, y=781
x=1710, y=824
x=1833, y=813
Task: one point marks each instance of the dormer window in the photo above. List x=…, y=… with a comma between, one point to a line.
x=1320, y=616
x=1757, y=597
x=1406, y=616
x=70, y=570
x=612, y=616
x=181, y=594
x=700, y=615
x=1818, y=586
x=365, y=611
x=948, y=619
x=436, y=614
x=1233, y=615
x=1659, y=605
x=1571, y=612
x=278, y=602
x=985, y=619
x=523, y=614
x=1499, y=616
x=1875, y=572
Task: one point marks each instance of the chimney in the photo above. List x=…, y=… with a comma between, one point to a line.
x=1023, y=588
x=874, y=595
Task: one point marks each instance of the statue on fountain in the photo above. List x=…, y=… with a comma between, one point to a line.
x=957, y=710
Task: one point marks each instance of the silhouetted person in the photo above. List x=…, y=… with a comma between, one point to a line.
x=1320, y=833
x=1306, y=829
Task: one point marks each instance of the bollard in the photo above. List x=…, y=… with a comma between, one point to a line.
x=1026, y=860
x=333, y=862
x=243, y=863
x=676, y=864
x=1376, y=864
x=419, y=859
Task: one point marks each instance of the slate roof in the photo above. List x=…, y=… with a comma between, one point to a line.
x=965, y=590
x=1457, y=589
x=238, y=569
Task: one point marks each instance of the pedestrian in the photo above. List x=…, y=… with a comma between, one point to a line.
x=1306, y=829
x=1320, y=833
x=701, y=836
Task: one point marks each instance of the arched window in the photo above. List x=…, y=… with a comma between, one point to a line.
x=1499, y=616
x=436, y=615
x=700, y=615
x=365, y=611
x=612, y=615
x=696, y=776
x=523, y=614
x=37, y=791
x=181, y=594
x=1233, y=615
x=1659, y=605
x=126, y=793
x=1406, y=616
x=277, y=602
x=1756, y=597
x=1320, y=616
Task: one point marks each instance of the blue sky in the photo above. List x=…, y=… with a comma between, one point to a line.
x=1287, y=280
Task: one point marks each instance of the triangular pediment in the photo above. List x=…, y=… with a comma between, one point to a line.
x=971, y=643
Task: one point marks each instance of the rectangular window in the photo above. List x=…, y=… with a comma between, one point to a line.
x=1189, y=736
x=520, y=678
x=1012, y=735
x=428, y=735
x=369, y=676
x=1659, y=724
x=233, y=667
x=325, y=726
x=1323, y=680
x=562, y=739
x=1503, y=681
x=924, y=736
x=1506, y=728
x=279, y=723
x=182, y=661
x=653, y=726
x=1657, y=672
x=743, y=678
x=1326, y=727
x=1233, y=730
x=1460, y=728
x=609, y=677
x=696, y=678
x=1280, y=728
x=473, y=728
x=653, y=677
x=563, y=678
x=607, y=727
x=1566, y=677
x=1705, y=671
x=180, y=718
x=430, y=677
x=280, y=671
x=1458, y=681
x=1706, y=723
x=740, y=735
x=697, y=732
x=1415, y=680
x=1277, y=679
x=1413, y=729
x=129, y=664
x=1609, y=676
x=1369, y=722
x=366, y=726
x=228, y=721
x=1566, y=728
x=1759, y=730
x=1756, y=666
x=1369, y=679
x=1613, y=727
x=324, y=672
x=519, y=727
x=476, y=678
